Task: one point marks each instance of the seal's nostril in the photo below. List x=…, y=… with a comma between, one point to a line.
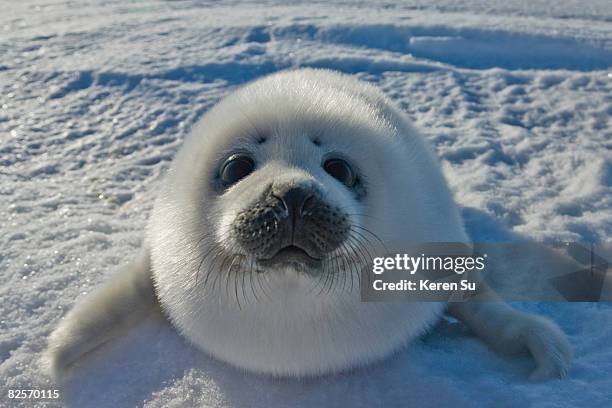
x=284, y=213
x=307, y=204
x=295, y=199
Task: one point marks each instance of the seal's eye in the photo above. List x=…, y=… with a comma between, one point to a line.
x=340, y=170
x=235, y=168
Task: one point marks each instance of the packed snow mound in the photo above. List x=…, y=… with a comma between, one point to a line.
x=514, y=96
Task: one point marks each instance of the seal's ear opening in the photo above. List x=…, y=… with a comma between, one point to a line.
x=104, y=314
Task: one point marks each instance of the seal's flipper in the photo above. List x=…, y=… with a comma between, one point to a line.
x=112, y=308
x=510, y=331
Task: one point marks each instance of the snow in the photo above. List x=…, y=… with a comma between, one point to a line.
x=96, y=97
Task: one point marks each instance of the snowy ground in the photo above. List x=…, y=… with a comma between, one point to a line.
x=515, y=96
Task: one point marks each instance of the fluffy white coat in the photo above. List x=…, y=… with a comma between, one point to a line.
x=282, y=326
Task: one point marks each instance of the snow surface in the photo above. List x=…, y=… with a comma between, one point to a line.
x=96, y=97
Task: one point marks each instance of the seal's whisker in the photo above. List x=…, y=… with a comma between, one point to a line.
x=351, y=256
x=344, y=269
x=357, y=214
x=366, y=241
x=346, y=266
x=214, y=246
x=211, y=267
x=243, y=273
x=229, y=278
x=220, y=255
x=362, y=248
x=359, y=247
x=329, y=272
x=359, y=260
x=366, y=230
x=331, y=275
x=221, y=271
x=339, y=270
x=251, y=284
x=362, y=215
x=356, y=248
x=323, y=274
x=262, y=276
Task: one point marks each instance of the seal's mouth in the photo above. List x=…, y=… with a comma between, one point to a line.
x=291, y=255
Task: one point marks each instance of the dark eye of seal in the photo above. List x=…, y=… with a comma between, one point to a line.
x=341, y=171
x=235, y=168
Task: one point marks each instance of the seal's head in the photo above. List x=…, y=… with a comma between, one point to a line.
x=279, y=197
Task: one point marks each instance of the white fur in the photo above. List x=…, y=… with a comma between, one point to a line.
x=279, y=321
x=293, y=327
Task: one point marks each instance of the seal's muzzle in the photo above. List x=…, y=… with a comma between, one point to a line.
x=291, y=224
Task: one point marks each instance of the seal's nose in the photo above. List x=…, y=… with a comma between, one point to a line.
x=295, y=199
x=291, y=216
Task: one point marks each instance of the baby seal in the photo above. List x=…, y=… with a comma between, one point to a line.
x=266, y=216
